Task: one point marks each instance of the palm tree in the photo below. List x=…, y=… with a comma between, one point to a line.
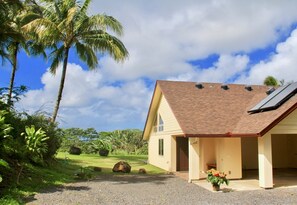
x=19, y=18
x=65, y=24
x=7, y=33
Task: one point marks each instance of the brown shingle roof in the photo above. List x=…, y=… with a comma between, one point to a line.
x=212, y=111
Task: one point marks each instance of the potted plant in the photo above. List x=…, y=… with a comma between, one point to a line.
x=216, y=178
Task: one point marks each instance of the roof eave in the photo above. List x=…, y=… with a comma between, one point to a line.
x=145, y=136
x=225, y=135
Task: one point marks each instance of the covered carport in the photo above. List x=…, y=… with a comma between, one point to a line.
x=274, y=154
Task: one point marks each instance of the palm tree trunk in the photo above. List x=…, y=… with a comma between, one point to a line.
x=59, y=98
x=12, y=77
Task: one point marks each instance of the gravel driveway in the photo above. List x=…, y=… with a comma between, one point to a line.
x=148, y=189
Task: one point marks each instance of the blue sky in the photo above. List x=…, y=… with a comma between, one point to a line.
x=206, y=41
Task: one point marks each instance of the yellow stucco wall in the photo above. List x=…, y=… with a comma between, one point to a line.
x=224, y=152
x=171, y=127
x=207, y=154
x=228, y=156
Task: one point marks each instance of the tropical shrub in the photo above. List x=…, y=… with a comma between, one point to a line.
x=84, y=173
x=5, y=139
x=4, y=128
x=88, y=148
x=3, y=164
x=35, y=143
x=54, y=134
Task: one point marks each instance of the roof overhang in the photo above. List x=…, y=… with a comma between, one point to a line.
x=228, y=135
x=152, y=111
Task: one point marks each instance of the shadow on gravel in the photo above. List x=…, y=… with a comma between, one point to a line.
x=133, y=179
x=58, y=189
x=77, y=188
x=113, y=179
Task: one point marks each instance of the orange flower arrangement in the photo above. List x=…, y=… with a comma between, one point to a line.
x=216, y=178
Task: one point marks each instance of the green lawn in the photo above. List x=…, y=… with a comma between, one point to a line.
x=107, y=163
x=63, y=171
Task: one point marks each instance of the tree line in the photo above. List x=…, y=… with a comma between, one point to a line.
x=90, y=141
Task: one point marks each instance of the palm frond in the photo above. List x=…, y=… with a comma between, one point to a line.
x=35, y=49
x=28, y=17
x=98, y=21
x=108, y=43
x=56, y=56
x=57, y=9
x=46, y=31
x=85, y=6
x=86, y=54
x=71, y=14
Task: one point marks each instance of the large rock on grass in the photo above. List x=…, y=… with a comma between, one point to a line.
x=122, y=167
x=74, y=150
x=103, y=152
x=141, y=171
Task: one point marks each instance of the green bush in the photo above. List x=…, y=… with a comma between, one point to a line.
x=3, y=164
x=88, y=148
x=54, y=134
x=36, y=145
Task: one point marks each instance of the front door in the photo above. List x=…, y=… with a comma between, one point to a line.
x=182, y=154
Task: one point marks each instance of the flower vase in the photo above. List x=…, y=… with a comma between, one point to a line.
x=216, y=187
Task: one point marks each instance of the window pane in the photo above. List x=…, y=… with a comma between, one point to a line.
x=161, y=124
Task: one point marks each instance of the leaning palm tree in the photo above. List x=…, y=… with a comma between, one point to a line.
x=65, y=24
x=19, y=18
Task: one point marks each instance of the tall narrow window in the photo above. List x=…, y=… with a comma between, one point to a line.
x=161, y=147
x=161, y=124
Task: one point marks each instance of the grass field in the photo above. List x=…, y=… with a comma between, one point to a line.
x=107, y=163
x=63, y=171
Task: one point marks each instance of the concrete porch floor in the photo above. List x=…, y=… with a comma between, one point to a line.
x=282, y=178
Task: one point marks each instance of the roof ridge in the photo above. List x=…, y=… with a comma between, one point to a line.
x=217, y=83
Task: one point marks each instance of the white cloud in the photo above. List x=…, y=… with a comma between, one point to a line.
x=223, y=70
x=281, y=65
x=89, y=102
x=162, y=35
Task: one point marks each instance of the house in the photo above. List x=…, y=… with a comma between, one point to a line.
x=195, y=126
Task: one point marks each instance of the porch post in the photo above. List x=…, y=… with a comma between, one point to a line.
x=194, y=160
x=265, y=161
